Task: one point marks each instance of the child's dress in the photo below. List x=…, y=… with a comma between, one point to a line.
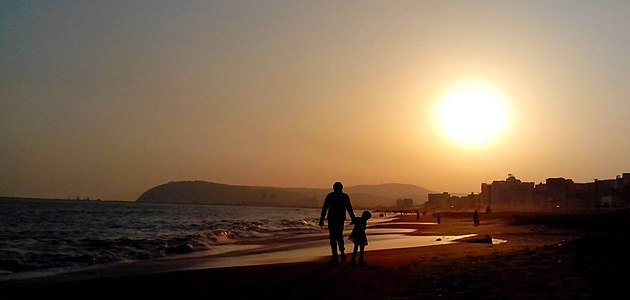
x=358, y=236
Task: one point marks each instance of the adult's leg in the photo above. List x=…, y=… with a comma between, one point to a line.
x=336, y=238
x=333, y=241
x=340, y=242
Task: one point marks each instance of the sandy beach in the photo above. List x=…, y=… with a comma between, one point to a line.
x=508, y=256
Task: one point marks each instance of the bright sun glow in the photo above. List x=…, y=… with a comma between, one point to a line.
x=473, y=114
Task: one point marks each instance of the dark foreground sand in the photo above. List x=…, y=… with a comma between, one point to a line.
x=546, y=256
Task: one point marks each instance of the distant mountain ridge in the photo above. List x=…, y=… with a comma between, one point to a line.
x=204, y=192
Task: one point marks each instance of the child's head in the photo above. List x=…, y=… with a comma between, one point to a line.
x=366, y=215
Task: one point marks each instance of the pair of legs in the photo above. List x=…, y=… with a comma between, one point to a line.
x=335, y=231
x=360, y=248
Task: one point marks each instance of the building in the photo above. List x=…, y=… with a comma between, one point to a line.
x=437, y=201
x=404, y=203
x=508, y=194
x=555, y=194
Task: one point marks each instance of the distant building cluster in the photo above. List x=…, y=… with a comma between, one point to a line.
x=555, y=194
x=404, y=203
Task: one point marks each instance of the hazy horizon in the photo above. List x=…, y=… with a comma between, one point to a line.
x=108, y=99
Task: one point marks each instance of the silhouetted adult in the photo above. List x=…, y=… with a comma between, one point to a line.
x=476, y=218
x=335, y=206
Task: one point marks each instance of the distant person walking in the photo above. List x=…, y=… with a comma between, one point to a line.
x=439, y=218
x=335, y=206
x=359, y=237
x=476, y=218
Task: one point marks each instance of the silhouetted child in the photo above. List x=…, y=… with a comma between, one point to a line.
x=358, y=236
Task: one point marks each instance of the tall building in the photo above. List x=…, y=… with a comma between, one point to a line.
x=437, y=200
x=556, y=193
x=508, y=194
x=404, y=203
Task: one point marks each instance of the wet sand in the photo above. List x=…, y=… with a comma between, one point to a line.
x=534, y=256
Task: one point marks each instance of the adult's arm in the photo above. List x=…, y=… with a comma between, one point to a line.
x=349, y=208
x=323, y=213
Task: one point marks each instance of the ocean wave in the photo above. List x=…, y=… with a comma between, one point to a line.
x=68, y=235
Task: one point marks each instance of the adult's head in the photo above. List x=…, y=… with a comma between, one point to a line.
x=337, y=187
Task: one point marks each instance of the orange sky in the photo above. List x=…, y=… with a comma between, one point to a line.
x=106, y=100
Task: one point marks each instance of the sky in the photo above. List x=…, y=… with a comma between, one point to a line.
x=106, y=99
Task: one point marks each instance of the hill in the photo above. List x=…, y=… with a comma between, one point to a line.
x=203, y=192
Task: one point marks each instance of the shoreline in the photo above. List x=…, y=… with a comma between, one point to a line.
x=385, y=234
x=543, y=257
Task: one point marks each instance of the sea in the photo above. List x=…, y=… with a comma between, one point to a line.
x=51, y=235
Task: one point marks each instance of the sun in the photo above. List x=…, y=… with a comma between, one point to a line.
x=473, y=114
